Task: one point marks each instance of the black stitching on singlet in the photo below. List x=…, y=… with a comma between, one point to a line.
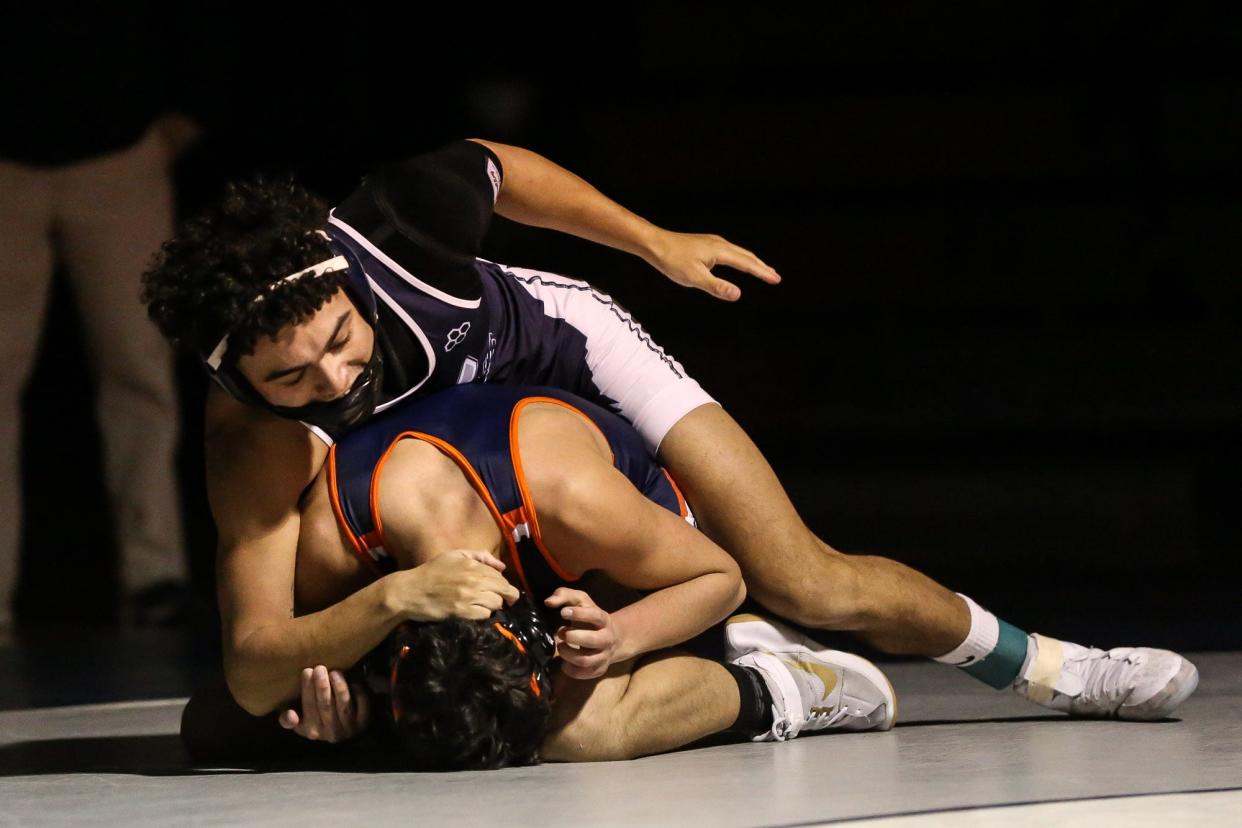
x=634, y=327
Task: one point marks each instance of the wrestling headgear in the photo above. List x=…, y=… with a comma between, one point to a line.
x=345, y=411
x=519, y=623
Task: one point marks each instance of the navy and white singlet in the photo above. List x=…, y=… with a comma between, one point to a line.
x=416, y=228
x=474, y=425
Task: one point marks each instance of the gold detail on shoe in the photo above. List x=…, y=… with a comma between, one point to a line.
x=745, y=618
x=822, y=711
x=825, y=675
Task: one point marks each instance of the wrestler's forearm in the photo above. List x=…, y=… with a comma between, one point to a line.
x=541, y=193
x=263, y=669
x=675, y=614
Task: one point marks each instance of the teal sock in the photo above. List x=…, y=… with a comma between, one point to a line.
x=995, y=651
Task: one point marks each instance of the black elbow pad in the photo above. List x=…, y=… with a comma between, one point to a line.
x=443, y=199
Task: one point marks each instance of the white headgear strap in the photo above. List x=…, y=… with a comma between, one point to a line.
x=336, y=263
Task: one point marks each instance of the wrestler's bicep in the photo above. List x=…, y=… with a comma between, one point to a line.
x=255, y=580
x=254, y=492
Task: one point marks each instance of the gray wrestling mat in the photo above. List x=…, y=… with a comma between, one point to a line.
x=961, y=754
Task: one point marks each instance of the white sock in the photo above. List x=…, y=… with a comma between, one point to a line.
x=995, y=652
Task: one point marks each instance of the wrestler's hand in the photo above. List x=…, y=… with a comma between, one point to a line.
x=457, y=584
x=688, y=259
x=332, y=711
x=587, y=643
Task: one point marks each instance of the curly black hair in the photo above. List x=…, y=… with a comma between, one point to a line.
x=203, y=282
x=464, y=692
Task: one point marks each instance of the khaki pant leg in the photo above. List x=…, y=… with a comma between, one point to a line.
x=114, y=212
x=25, y=276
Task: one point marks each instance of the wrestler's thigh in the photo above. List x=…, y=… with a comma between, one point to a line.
x=739, y=502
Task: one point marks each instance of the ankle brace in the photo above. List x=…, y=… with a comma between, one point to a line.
x=994, y=651
x=754, y=714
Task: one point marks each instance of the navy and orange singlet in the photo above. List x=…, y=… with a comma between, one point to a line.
x=475, y=425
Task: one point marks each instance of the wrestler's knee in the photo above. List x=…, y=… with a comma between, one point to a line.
x=828, y=593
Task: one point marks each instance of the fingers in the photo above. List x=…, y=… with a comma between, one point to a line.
x=582, y=665
x=490, y=601
x=344, y=709
x=289, y=720
x=742, y=259
x=588, y=639
x=506, y=591
x=591, y=616
x=485, y=557
x=328, y=713
x=310, y=726
x=564, y=596
x=719, y=287
x=323, y=702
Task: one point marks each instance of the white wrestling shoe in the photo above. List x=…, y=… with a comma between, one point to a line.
x=813, y=688
x=1137, y=683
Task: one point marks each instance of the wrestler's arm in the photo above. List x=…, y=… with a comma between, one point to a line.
x=541, y=193
x=662, y=701
x=255, y=476
x=616, y=530
x=591, y=517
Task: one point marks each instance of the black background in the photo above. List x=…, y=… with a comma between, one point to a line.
x=1005, y=349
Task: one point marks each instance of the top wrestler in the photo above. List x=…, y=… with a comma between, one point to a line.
x=301, y=313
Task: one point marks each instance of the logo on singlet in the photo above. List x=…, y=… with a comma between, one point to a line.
x=456, y=336
x=493, y=175
x=487, y=355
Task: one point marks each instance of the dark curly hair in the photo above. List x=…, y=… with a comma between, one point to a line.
x=464, y=692
x=202, y=283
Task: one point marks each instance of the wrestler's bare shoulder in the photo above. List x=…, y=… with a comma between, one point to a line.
x=246, y=445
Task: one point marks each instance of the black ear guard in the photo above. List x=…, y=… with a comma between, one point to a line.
x=525, y=622
x=339, y=414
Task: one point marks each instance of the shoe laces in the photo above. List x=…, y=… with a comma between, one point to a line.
x=818, y=721
x=1105, y=674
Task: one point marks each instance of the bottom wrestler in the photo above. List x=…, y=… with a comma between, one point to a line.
x=485, y=467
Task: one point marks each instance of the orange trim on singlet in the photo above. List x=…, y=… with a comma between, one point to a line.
x=359, y=546
x=475, y=480
x=528, y=501
x=681, y=500
x=515, y=518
